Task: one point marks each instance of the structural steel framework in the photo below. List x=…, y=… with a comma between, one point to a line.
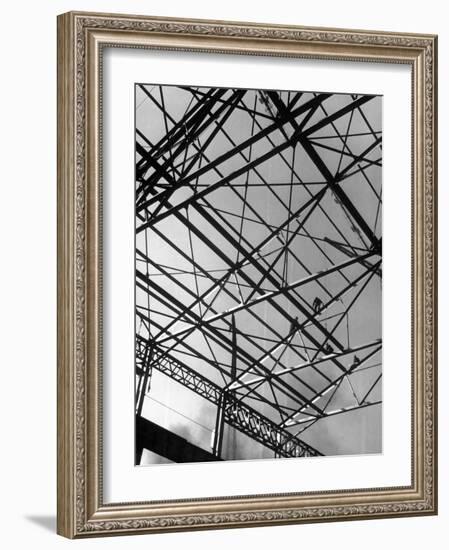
x=258, y=260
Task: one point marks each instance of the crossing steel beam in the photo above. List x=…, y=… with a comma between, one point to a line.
x=254, y=308
x=237, y=414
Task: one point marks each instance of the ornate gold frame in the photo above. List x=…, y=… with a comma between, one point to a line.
x=81, y=36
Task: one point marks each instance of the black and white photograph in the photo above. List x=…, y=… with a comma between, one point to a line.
x=258, y=274
x=222, y=322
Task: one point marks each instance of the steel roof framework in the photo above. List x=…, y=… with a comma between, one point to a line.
x=258, y=255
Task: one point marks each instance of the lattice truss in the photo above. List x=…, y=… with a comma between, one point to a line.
x=258, y=267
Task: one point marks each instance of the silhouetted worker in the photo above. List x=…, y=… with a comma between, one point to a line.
x=294, y=325
x=317, y=305
x=355, y=362
x=328, y=349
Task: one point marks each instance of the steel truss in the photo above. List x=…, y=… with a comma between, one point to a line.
x=258, y=256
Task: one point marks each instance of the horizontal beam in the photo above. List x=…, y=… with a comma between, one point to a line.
x=341, y=410
x=167, y=444
x=272, y=294
x=305, y=365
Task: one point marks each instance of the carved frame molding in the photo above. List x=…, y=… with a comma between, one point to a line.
x=81, y=37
